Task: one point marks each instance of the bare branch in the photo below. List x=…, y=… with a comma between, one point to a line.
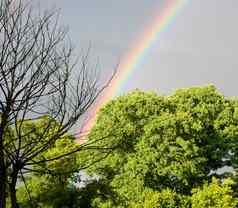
x=44, y=89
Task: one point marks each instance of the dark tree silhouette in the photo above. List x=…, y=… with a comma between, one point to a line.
x=39, y=76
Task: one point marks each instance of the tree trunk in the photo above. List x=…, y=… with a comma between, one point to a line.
x=3, y=180
x=3, y=173
x=13, y=190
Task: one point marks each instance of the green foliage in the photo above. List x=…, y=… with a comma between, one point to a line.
x=215, y=195
x=96, y=194
x=50, y=183
x=163, y=142
x=45, y=191
x=63, y=166
x=164, y=199
x=149, y=151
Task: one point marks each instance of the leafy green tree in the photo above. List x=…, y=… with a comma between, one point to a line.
x=163, y=142
x=54, y=188
x=215, y=195
x=164, y=199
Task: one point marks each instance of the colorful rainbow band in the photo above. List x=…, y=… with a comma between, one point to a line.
x=133, y=58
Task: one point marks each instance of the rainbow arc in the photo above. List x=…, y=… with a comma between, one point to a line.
x=131, y=61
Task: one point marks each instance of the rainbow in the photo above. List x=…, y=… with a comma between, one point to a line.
x=129, y=64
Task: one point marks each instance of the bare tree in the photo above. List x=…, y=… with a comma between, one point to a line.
x=37, y=77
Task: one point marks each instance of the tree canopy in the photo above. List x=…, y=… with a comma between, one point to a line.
x=163, y=144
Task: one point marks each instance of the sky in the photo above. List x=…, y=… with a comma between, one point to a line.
x=200, y=46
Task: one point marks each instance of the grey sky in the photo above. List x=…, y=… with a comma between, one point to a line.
x=199, y=47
